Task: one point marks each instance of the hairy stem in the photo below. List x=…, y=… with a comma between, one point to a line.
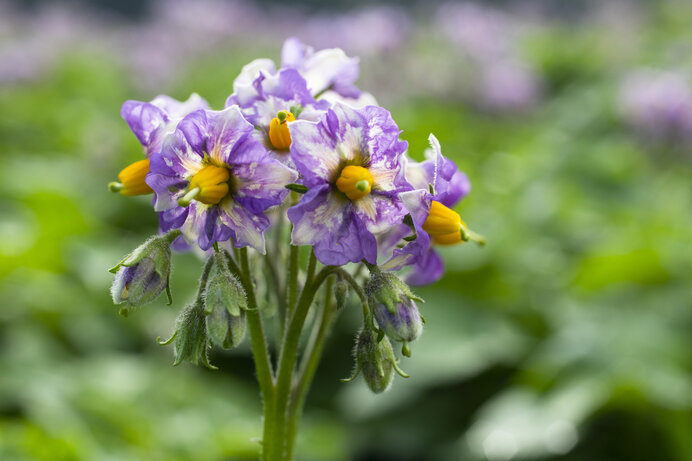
x=287, y=361
x=309, y=365
x=259, y=349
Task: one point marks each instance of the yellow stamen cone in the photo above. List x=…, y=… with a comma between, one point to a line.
x=279, y=135
x=441, y=220
x=132, y=179
x=212, y=182
x=355, y=181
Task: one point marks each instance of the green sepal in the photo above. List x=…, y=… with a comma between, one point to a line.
x=296, y=110
x=299, y=188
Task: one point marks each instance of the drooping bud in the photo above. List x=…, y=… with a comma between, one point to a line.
x=143, y=275
x=224, y=329
x=355, y=181
x=191, y=340
x=341, y=293
x=132, y=179
x=224, y=303
x=387, y=289
x=394, y=308
x=375, y=358
x=279, y=135
x=404, y=325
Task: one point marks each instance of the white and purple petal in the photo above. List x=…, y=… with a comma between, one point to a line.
x=379, y=212
x=246, y=226
x=328, y=69
x=313, y=150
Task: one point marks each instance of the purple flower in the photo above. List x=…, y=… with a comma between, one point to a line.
x=658, y=103
x=152, y=121
x=351, y=162
x=449, y=186
x=326, y=72
x=213, y=180
x=273, y=95
x=328, y=69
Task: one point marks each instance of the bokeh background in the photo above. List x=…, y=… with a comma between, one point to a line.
x=569, y=337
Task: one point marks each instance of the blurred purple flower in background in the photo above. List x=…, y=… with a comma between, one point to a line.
x=499, y=79
x=658, y=104
x=33, y=43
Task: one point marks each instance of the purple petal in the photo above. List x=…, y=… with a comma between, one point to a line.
x=261, y=184
x=203, y=226
x=246, y=226
x=327, y=221
x=144, y=119
x=226, y=128
x=427, y=269
x=379, y=212
x=313, y=150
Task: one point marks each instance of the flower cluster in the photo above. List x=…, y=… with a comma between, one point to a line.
x=215, y=175
x=295, y=144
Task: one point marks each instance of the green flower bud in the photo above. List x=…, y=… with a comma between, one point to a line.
x=223, y=290
x=374, y=360
x=387, y=289
x=224, y=329
x=341, y=293
x=190, y=336
x=144, y=274
x=224, y=304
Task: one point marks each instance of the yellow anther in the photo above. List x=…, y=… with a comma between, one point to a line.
x=447, y=239
x=132, y=179
x=212, y=182
x=355, y=182
x=446, y=227
x=442, y=221
x=278, y=130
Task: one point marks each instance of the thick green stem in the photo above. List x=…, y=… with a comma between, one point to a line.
x=311, y=360
x=292, y=280
x=287, y=361
x=259, y=347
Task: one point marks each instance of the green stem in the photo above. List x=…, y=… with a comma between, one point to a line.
x=289, y=350
x=309, y=365
x=259, y=346
x=292, y=280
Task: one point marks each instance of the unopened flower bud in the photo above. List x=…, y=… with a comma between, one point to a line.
x=374, y=360
x=404, y=325
x=143, y=275
x=224, y=303
x=223, y=290
x=191, y=340
x=387, y=289
x=224, y=329
x=341, y=293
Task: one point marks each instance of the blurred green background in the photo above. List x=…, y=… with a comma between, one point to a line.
x=569, y=337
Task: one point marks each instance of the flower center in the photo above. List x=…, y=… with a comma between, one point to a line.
x=443, y=224
x=355, y=181
x=278, y=130
x=132, y=179
x=209, y=185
